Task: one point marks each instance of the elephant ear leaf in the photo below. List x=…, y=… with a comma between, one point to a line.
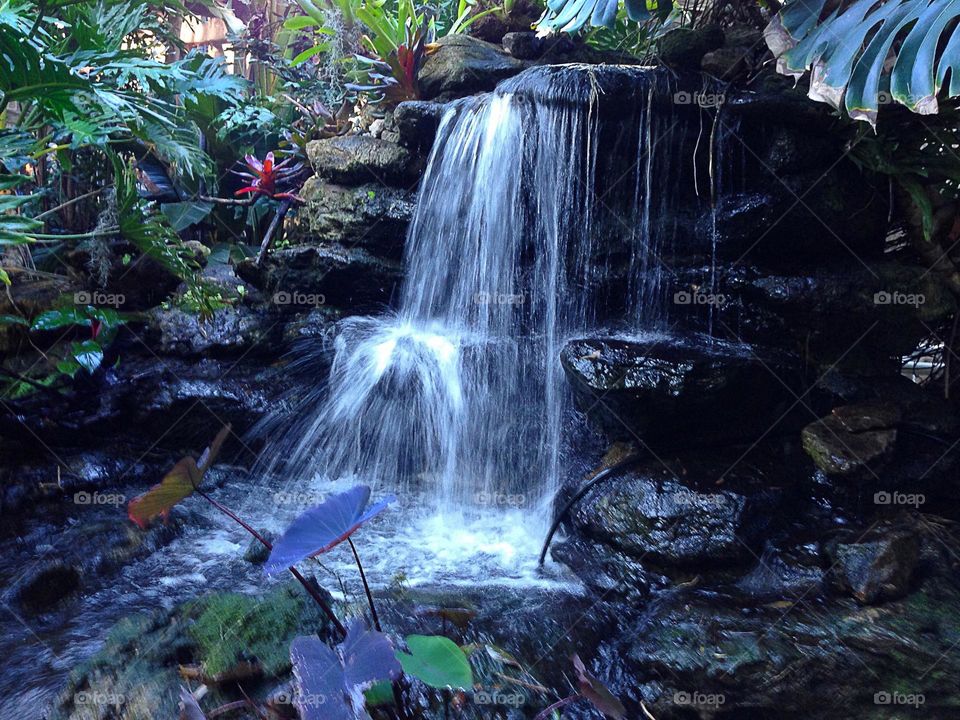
x=176, y=485
x=324, y=527
x=863, y=52
x=598, y=693
x=330, y=686
x=436, y=661
x=189, y=709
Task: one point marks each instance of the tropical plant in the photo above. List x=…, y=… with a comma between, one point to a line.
x=571, y=16
x=863, y=53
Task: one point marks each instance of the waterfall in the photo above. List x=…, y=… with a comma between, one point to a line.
x=525, y=234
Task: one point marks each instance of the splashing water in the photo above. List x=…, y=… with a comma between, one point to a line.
x=458, y=397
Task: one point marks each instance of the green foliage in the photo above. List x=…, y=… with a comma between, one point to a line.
x=860, y=52
x=571, y=16
x=436, y=661
x=232, y=628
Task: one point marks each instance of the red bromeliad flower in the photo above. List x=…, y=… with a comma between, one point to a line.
x=266, y=176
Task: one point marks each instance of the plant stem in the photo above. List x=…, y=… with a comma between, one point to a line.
x=311, y=590
x=272, y=229
x=545, y=713
x=366, y=587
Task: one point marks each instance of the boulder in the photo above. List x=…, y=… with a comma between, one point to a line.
x=463, y=65
x=370, y=216
x=417, y=122
x=878, y=568
x=47, y=585
x=853, y=439
x=684, y=48
x=230, y=331
x=358, y=159
x=351, y=279
x=727, y=63
x=674, y=391
x=651, y=517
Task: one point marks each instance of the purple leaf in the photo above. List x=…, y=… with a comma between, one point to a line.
x=323, y=527
x=189, y=709
x=319, y=681
x=367, y=657
x=331, y=689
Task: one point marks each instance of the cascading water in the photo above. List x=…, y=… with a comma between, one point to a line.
x=458, y=395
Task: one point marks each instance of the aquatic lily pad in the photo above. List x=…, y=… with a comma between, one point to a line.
x=436, y=661
x=176, y=485
x=323, y=527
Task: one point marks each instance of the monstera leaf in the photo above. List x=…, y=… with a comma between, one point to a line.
x=329, y=684
x=176, y=485
x=863, y=52
x=323, y=527
x=571, y=15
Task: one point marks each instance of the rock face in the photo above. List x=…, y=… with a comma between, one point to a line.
x=853, y=439
x=417, y=122
x=665, y=521
x=874, y=570
x=664, y=389
x=351, y=278
x=464, y=65
x=368, y=216
x=357, y=159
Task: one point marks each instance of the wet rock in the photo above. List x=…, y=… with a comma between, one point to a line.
x=878, y=568
x=47, y=585
x=684, y=48
x=417, y=122
x=351, y=279
x=358, y=159
x=852, y=439
x=370, y=216
x=493, y=28
x=230, y=331
x=660, y=389
x=608, y=572
x=525, y=45
x=702, y=655
x=727, y=63
x=650, y=517
x=797, y=572
x=256, y=552
x=463, y=65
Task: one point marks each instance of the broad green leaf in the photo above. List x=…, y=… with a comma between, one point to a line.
x=88, y=354
x=184, y=214
x=299, y=22
x=436, y=661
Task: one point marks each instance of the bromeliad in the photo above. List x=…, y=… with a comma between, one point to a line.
x=267, y=176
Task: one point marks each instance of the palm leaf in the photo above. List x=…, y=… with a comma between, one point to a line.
x=864, y=51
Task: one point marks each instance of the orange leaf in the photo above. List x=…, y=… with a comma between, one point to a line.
x=176, y=485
